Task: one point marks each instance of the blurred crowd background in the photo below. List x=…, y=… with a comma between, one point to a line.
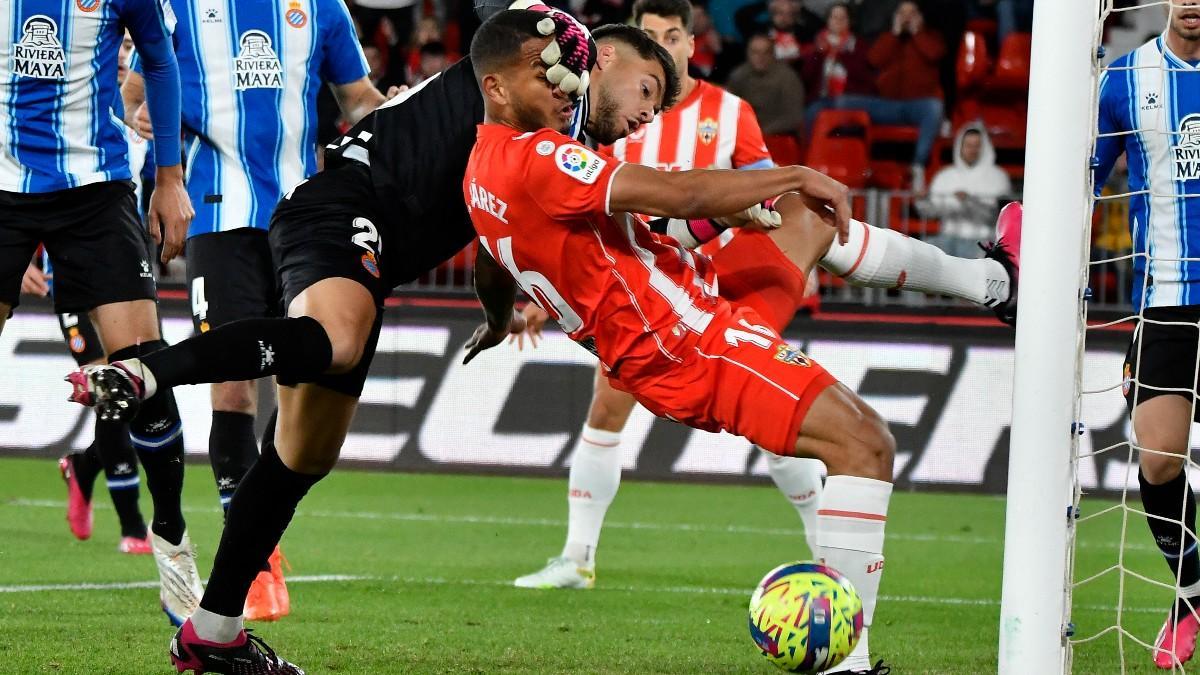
x=919, y=107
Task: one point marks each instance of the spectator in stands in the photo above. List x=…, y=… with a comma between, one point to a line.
x=433, y=60
x=966, y=195
x=908, y=59
x=836, y=65
x=708, y=42
x=370, y=15
x=786, y=22
x=771, y=88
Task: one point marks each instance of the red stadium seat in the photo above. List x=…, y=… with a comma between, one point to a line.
x=974, y=64
x=784, y=148
x=890, y=169
x=840, y=146
x=1012, y=67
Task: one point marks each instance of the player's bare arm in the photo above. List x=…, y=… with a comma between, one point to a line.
x=497, y=293
x=707, y=193
x=356, y=99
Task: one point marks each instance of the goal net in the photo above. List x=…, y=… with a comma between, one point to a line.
x=1105, y=612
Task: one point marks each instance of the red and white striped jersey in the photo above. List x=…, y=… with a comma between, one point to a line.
x=710, y=129
x=540, y=204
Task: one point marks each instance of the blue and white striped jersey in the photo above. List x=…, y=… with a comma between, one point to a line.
x=251, y=71
x=58, y=84
x=1155, y=97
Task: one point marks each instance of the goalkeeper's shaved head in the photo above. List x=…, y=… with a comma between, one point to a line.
x=498, y=43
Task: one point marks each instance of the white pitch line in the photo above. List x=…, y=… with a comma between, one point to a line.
x=551, y=522
x=496, y=583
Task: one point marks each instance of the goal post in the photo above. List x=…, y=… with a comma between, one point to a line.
x=1057, y=211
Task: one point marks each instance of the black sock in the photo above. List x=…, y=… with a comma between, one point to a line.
x=121, y=471
x=157, y=434
x=86, y=465
x=260, y=511
x=1175, y=502
x=296, y=349
x=232, y=450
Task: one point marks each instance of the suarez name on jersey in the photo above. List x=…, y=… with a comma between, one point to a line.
x=710, y=129
x=251, y=72
x=539, y=202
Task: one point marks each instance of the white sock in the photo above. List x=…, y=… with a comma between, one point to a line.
x=880, y=258
x=595, y=477
x=799, y=479
x=850, y=539
x=214, y=627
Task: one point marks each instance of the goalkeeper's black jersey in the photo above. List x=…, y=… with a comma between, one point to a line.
x=417, y=145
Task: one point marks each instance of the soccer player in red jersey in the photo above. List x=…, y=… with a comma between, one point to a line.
x=557, y=217
x=709, y=128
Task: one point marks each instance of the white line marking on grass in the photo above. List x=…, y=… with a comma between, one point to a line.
x=498, y=583
x=126, y=585
x=551, y=522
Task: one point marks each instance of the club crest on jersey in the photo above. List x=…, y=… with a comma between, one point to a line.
x=1127, y=380
x=707, y=130
x=1187, y=151
x=295, y=16
x=39, y=53
x=87, y=5
x=256, y=65
x=370, y=264
x=579, y=163
x=789, y=354
x=76, y=341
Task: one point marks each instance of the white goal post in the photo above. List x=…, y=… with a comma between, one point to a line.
x=1057, y=213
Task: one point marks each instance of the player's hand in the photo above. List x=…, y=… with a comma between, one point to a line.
x=486, y=336
x=394, y=91
x=570, y=56
x=760, y=216
x=829, y=199
x=535, y=319
x=170, y=211
x=35, y=282
x=140, y=122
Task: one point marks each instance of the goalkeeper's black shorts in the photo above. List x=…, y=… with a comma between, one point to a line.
x=1161, y=360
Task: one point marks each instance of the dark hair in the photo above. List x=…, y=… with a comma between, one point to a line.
x=435, y=48
x=843, y=5
x=681, y=9
x=646, y=48
x=497, y=43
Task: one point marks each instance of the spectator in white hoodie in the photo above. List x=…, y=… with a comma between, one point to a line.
x=965, y=196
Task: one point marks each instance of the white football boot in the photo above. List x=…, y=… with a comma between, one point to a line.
x=181, y=589
x=559, y=572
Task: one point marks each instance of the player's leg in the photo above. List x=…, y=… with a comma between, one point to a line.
x=1164, y=356
x=592, y=485
x=300, y=447
x=881, y=258
x=110, y=452
x=231, y=277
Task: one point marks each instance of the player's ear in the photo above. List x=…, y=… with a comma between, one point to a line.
x=493, y=89
x=691, y=46
x=606, y=54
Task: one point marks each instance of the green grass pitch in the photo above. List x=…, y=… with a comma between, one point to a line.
x=411, y=573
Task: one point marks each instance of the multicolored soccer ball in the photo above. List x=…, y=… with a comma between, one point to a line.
x=805, y=617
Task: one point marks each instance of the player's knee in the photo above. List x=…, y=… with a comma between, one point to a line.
x=347, y=352
x=610, y=410
x=871, y=448
x=237, y=397
x=1159, y=469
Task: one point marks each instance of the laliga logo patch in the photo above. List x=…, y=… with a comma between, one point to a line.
x=707, y=130
x=579, y=163
x=789, y=354
x=87, y=5
x=296, y=18
x=39, y=53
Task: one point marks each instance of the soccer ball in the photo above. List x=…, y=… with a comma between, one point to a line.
x=805, y=617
